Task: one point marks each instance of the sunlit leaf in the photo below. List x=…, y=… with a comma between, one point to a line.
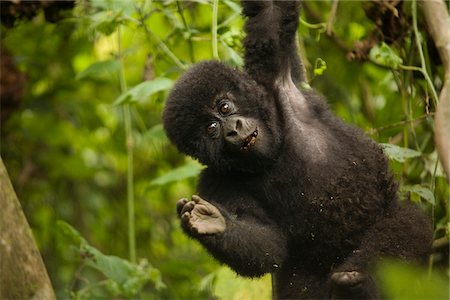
x=202, y=1
x=385, y=56
x=399, y=154
x=180, y=173
x=100, y=69
x=421, y=191
x=106, y=22
x=234, y=58
x=401, y=281
x=114, y=5
x=433, y=165
x=229, y=286
x=233, y=5
x=144, y=90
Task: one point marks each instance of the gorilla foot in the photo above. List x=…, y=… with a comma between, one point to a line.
x=352, y=285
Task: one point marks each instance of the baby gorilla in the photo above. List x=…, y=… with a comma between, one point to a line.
x=289, y=189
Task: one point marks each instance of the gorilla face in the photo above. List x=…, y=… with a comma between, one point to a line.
x=235, y=137
x=218, y=115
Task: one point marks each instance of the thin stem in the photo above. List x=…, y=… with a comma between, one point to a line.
x=331, y=17
x=214, y=29
x=411, y=68
x=186, y=27
x=400, y=123
x=165, y=49
x=159, y=42
x=321, y=26
x=129, y=146
x=130, y=184
x=422, y=57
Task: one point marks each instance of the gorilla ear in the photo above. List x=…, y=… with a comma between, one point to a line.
x=180, y=128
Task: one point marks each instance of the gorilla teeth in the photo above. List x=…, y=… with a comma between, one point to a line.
x=250, y=141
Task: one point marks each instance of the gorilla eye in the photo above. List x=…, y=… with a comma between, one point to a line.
x=224, y=108
x=212, y=127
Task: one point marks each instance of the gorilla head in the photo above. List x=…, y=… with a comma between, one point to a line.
x=219, y=115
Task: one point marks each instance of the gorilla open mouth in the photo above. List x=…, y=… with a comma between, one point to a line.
x=250, y=141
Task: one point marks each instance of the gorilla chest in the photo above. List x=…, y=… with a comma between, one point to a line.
x=307, y=211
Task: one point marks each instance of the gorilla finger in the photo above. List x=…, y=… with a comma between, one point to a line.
x=197, y=199
x=185, y=217
x=193, y=228
x=188, y=207
x=180, y=204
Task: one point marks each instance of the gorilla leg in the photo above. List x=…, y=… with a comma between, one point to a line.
x=294, y=283
x=403, y=232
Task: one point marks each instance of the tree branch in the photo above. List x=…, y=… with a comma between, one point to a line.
x=438, y=22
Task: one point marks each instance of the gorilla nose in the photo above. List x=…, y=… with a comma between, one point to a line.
x=234, y=131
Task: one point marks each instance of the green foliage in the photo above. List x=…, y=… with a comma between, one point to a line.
x=144, y=90
x=421, y=191
x=400, y=281
x=385, y=56
x=399, y=154
x=100, y=70
x=228, y=285
x=177, y=174
x=68, y=154
x=123, y=278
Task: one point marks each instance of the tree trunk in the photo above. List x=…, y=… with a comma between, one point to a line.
x=22, y=271
x=438, y=22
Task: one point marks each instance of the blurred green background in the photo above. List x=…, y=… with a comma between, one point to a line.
x=83, y=87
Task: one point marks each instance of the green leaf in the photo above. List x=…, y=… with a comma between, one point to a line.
x=399, y=154
x=113, y=5
x=432, y=165
x=71, y=232
x=156, y=133
x=228, y=286
x=234, y=58
x=385, y=56
x=180, y=173
x=319, y=67
x=127, y=278
x=106, y=22
x=421, y=191
x=100, y=69
x=112, y=267
x=144, y=90
x=233, y=5
x=402, y=281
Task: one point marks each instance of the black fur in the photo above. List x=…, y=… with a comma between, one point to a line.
x=313, y=200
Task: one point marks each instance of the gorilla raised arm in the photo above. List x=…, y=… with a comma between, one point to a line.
x=289, y=188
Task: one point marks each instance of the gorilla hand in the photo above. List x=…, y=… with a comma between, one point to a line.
x=200, y=217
